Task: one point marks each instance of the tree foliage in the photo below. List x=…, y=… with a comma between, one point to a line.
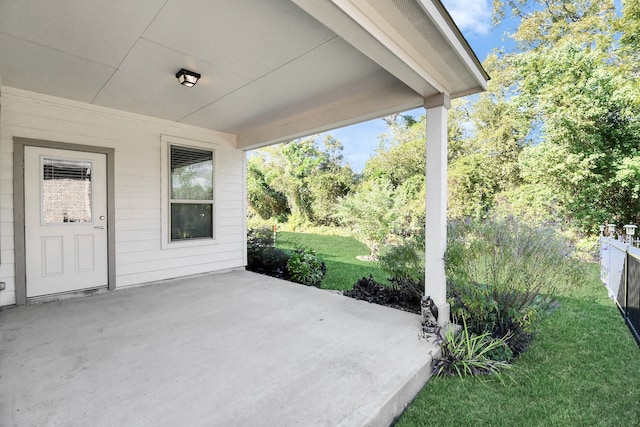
x=263, y=198
x=299, y=181
x=576, y=86
x=400, y=155
x=369, y=213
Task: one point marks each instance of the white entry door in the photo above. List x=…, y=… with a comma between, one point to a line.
x=65, y=220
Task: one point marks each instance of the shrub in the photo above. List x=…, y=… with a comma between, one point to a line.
x=503, y=275
x=405, y=265
x=268, y=260
x=306, y=268
x=263, y=257
x=300, y=265
x=260, y=237
x=369, y=213
x=505, y=251
x=466, y=353
x=499, y=312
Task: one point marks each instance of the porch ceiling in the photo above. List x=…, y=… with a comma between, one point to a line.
x=271, y=70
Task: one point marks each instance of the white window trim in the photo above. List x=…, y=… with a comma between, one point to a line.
x=165, y=142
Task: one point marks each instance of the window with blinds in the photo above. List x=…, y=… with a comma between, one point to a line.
x=191, y=193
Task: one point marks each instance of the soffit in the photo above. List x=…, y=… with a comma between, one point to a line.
x=271, y=70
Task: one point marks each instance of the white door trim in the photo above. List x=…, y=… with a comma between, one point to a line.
x=19, y=207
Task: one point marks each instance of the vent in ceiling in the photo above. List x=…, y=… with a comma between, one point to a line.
x=414, y=13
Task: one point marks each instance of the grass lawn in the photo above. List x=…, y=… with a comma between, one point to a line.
x=339, y=253
x=582, y=369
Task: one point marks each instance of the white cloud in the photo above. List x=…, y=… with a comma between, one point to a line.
x=471, y=16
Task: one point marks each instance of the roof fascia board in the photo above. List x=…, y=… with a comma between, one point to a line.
x=343, y=24
x=448, y=28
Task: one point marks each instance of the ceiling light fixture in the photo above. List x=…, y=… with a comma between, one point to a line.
x=187, y=78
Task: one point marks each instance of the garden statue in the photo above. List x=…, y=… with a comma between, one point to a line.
x=429, y=315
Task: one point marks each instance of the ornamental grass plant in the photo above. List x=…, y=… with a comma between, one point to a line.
x=468, y=354
x=504, y=275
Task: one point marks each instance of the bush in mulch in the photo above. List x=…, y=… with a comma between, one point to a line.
x=268, y=260
x=367, y=289
x=300, y=265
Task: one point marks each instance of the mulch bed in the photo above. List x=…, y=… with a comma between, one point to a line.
x=367, y=289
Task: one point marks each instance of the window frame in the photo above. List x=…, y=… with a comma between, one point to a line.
x=166, y=143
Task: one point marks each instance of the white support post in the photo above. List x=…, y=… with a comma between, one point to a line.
x=437, y=107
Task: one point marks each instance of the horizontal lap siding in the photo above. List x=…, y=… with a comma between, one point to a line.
x=136, y=141
x=7, y=255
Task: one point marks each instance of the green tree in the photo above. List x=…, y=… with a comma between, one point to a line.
x=369, y=213
x=576, y=87
x=300, y=180
x=301, y=158
x=400, y=155
x=263, y=198
x=485, y=161
x=409, y=201
x=333, y=180
x=629, y=27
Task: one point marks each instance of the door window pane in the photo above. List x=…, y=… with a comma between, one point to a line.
x=191, y=221
x=66, y=191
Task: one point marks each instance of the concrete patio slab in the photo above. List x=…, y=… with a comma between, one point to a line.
x=233, y=349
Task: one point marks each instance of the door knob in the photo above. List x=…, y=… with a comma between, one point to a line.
x=101, y=227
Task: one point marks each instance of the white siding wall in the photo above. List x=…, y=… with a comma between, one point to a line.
x=136, y=140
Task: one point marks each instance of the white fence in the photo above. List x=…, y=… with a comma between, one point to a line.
x=620, y=273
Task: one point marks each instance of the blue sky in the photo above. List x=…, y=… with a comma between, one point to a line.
x=473, y=17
